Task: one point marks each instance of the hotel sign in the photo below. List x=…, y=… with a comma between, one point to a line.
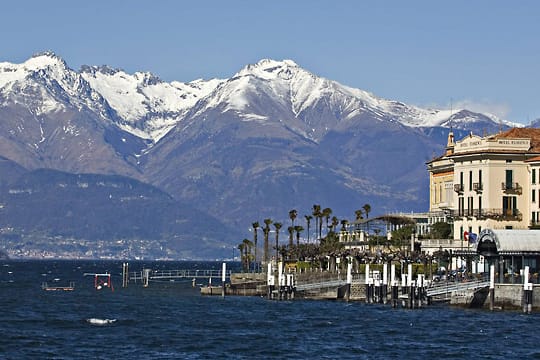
x=476, y=143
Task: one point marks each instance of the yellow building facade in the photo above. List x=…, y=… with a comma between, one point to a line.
x=488, y=182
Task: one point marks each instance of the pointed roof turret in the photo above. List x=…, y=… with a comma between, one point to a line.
x=450, y=143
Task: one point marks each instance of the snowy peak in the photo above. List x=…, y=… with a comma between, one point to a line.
x=269, y=69
x=148, y=106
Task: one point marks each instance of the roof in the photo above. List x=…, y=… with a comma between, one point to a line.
x=523, y=133
x=508, y=242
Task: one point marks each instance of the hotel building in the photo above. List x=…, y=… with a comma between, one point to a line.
x=490, y=182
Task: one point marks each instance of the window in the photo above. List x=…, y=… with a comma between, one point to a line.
x=461, y=206
x=470, y=205
x=470, y=180
x=509, y=205
x=480, y=177
x=509, y=179
x=533, y=195
x=461, y=179
x=534, y=176
x=479, y=206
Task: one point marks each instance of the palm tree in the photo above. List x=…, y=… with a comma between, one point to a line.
x=241, y=247
x=255, y=227
x=344, y=224
x=298, y=230
x=367, y=209
x=291, y=231
x=292, y=215
x=308, y=222
x=335, y=222
x=317, y=214
x=266, y=231
x=247, y=252
x=326, y=214
x=277, y=226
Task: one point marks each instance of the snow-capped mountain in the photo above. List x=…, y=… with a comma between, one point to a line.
x=148, y=107
x=271, y=138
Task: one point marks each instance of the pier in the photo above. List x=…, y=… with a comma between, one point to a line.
x=146, y=276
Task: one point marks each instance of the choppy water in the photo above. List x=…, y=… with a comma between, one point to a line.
x=172, y=321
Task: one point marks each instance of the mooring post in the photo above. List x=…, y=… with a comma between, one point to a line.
x=420, y=288
x=269, y=280
x=223, y=278
x=491, y=287
x=410, y=286
x=404, y=289
x=385, y=283
x=146, y=277
x=125, y=274
x=527, y=291
x=394, y=284
x=349, y=281
x=280, y=280
x=367, y=283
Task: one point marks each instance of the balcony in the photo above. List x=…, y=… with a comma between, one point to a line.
x=458, y=188
x=498, y=214
x=478, y=187
x=511, y=188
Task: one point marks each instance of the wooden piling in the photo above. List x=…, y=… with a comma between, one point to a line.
x=491, y=287
x=125, y=274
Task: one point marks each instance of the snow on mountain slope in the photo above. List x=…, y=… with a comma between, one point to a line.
x=270, y=87
x=46, y=84
x=148, y=106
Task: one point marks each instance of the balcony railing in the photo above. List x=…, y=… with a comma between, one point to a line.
x=497, y=214
x=458, y=188
x=511, y=188
x=478, y=187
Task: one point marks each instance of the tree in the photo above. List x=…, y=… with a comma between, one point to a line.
x=326, y=214
x=344, y=224
x=292, y=215
x=308, y=222
x=266, y=232
x=255, y=227
x=367, y=210
x=291, y=232
x=402, y=235
x=247, y=252
x=317, y=215
x=298, y=230
x=441, y=230
x=359, y=214
x=335, y=222
x=278, y=227
x=241, y=248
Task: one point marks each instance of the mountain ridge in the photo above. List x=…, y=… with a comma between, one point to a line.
x=271, y=138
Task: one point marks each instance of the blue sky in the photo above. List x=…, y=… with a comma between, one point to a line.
x=484, y=55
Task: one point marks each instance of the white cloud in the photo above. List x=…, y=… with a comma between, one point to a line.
x=500, y=110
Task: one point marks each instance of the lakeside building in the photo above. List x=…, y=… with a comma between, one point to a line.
x=480, y=185
x=489, y=183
